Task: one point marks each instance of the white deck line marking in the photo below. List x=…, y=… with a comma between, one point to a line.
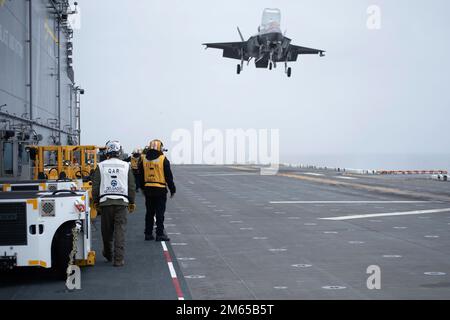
x=348, y=202
x=313, y=174
x=172, y=271
x=301, y=265
x=186, y=259
x=433, y=273
x=346, y=178
x=334, y=287
x=195, y=276
x=364, y=216
x=173, y=274
x=227, y=174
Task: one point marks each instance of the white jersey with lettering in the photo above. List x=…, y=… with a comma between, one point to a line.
x=114, y=180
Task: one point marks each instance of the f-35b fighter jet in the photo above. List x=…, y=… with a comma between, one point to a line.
x=267, y=48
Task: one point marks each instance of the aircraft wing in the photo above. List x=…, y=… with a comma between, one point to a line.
x=294, y=51
x=231, y=50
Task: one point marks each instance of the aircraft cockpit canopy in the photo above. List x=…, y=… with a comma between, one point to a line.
x=271, y=21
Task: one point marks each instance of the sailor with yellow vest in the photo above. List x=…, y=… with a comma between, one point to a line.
x=134, y=161
x=156, y=178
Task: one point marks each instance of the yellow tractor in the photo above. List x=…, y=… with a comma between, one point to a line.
x=66, y=162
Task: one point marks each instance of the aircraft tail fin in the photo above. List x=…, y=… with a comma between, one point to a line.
x=240, y=34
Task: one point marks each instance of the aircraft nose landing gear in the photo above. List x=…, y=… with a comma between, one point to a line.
x=238, y=70
x=287, y=70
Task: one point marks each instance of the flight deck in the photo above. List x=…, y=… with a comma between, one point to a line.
x=302, y=234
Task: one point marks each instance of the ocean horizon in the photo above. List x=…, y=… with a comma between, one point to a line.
x=373, y=161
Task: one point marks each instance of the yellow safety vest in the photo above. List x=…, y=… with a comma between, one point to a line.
x=154, y=172
x=134, y=163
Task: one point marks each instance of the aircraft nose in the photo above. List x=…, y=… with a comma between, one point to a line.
x=274, y=37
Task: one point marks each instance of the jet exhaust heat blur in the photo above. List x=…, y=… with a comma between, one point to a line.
x=267, y=48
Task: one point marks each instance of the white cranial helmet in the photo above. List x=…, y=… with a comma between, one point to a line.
x=113, y=147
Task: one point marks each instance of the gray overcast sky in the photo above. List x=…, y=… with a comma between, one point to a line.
x=146, y=73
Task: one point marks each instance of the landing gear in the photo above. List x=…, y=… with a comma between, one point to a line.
x=287, y=70
x=271, y=63
x=240, y=67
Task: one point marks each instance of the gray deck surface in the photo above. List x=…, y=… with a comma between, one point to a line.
x=231, y=242
x=247, y=248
